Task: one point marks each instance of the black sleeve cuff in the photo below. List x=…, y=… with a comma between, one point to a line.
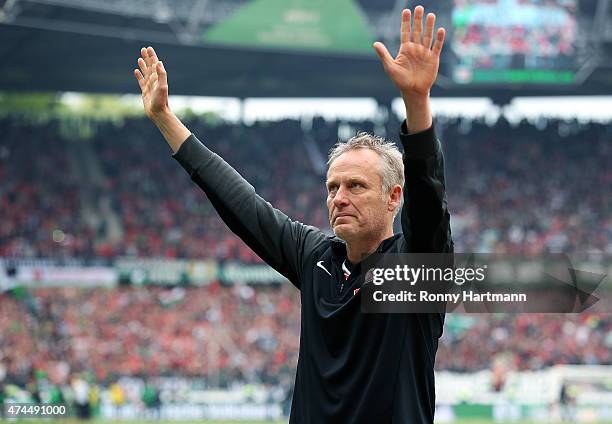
x=419, y=145
x=192, y=154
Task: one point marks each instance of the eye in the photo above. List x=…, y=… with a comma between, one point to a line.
x=332, y=189
x=356, y=185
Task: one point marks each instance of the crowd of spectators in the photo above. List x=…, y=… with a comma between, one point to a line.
x=39, y=194
x=238, y=334
x=525, y=189
x=164, y=214
x=528, y=189
x=525, y=341
x=223, y=334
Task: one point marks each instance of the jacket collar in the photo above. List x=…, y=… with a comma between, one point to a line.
x=339, y=246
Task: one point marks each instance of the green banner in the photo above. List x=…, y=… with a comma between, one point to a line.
x=234, y=272
x=319, y=25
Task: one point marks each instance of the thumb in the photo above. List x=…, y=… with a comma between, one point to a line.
x=383, y=54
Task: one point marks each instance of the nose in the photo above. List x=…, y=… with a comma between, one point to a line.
x=341, y=198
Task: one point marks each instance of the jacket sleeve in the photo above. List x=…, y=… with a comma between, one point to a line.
x=279, y=241
x=425, y=218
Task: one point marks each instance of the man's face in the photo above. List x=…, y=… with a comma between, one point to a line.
x=357, y=207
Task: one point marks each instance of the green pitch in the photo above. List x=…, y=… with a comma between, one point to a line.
x=470, y=421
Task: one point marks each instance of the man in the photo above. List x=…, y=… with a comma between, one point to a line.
x=352, y=367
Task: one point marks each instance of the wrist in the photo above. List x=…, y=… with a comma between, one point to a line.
x=162, y=116
x=171, y=128
x=414, y=100
x=418, y=112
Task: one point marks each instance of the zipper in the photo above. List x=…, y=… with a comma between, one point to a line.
x=339, y=287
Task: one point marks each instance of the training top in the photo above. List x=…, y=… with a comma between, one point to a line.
x=352, y=367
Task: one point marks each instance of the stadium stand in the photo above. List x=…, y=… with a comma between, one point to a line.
x=510, y=191
x=114, y=192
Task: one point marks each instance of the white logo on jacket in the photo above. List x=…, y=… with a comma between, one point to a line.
x=320, y=265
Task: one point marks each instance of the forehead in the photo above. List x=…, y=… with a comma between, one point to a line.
x=356, y=162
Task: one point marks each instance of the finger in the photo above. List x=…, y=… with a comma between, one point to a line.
x=144, y=55
x=139, y=78
x=162, y=74
x=405, y=29
x=150, y=57
x=152, y=78
x=429, y=29
x=437, y=48
x=383, y=54
x=417, y=28
x=151, y=81
x=143, y=67
x=152, y=53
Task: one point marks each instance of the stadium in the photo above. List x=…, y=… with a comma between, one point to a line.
x=125, y=297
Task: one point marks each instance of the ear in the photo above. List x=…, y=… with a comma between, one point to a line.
x=395, y=198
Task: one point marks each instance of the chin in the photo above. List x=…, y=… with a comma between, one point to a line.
x=343, y=231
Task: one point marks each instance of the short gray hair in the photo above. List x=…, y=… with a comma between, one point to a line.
x=392, y=168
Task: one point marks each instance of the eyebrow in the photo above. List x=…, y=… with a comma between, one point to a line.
x=358, y=179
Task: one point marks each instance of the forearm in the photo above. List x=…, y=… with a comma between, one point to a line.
x=172, y=129
x=418, y=112
x=425, y=218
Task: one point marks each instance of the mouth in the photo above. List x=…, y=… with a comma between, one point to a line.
x=344, y=215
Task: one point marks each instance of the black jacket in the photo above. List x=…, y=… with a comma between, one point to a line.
x=352, y=367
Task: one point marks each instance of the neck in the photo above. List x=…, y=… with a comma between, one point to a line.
x=358, y=250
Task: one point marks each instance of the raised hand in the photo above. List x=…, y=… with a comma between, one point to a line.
x=153, y=81
x=415, y=67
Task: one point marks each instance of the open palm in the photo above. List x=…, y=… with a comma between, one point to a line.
x=153, y=81
x=415, y=67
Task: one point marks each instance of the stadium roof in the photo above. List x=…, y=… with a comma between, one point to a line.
x=92, y=46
